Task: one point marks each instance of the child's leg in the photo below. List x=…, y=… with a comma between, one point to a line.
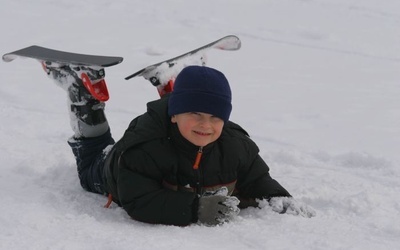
x=88, y=121
x=90, y=154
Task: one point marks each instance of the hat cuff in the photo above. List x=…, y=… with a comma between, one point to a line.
x=200, y=102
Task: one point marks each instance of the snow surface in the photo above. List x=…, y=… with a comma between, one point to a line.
x=316, y=84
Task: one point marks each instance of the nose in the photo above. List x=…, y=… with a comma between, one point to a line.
x=205, y=122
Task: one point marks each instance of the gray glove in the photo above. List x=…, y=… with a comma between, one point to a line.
x=289, y=205
x=217, y=207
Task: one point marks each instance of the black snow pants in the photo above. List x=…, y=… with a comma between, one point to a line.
x=90, y=154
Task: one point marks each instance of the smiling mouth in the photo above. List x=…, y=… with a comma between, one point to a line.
x=201, y=133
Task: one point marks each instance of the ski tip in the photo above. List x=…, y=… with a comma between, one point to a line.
x=230, y=42
x=8, y=57
x=11, y=56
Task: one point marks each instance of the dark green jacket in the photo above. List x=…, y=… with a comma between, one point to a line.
x=150, y=170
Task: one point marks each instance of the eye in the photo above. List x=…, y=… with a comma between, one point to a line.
x=215, y=118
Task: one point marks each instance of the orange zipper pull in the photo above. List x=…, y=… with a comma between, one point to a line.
x=198, y=158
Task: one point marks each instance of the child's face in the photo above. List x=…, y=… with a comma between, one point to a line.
x=199, y=128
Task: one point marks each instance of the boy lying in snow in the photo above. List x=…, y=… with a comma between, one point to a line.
x=179, y=163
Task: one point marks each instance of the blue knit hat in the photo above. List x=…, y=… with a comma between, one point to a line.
x=201, y=89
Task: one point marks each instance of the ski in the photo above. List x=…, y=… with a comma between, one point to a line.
x=161, y=74
x=87, y=67
x=62, y=57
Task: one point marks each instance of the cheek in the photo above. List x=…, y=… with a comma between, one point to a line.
x=219, y=133
x=185, y=127
x=218, y=129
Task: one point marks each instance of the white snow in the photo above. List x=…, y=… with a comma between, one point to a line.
x=316, y=84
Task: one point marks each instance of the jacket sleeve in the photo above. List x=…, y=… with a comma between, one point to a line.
x=143, y=196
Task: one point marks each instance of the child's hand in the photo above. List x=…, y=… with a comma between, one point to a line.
x=217, y=207
x=289, y=205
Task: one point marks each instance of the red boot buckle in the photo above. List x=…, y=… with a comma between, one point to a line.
x=98, y=90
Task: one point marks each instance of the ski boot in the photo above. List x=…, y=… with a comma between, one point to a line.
x=167, y=88
x=87, y=93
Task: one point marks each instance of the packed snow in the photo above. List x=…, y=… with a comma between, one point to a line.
x=316, y=84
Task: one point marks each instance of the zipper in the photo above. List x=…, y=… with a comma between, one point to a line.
x=197, y=171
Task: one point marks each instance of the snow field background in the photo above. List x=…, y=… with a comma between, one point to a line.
x=316, y=84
